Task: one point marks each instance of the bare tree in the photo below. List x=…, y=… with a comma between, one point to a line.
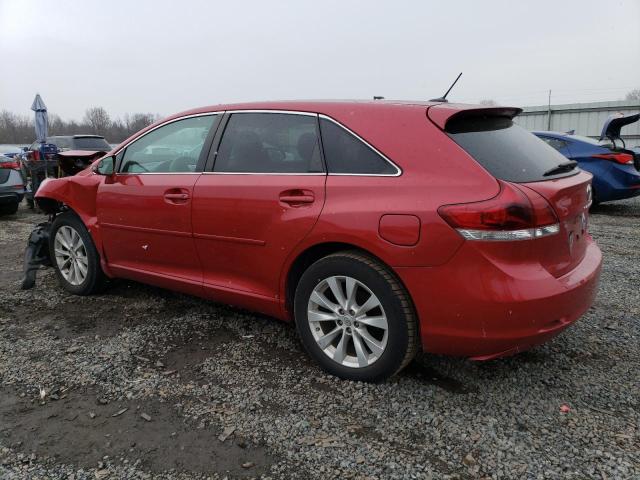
x=633, y=94
x=138, y=121
x=16, y=128
x=487, y=102
x=97, y=119
x=19, y=129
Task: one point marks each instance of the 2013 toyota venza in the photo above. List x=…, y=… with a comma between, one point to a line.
x=379, y=228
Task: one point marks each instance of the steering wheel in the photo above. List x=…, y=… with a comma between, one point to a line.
x=133, y=162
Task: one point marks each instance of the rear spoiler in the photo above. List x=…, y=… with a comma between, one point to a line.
x=442, y=113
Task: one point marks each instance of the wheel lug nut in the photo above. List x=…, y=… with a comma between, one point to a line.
x=356, y=324
x=339, y=322
x=352, y=312
x=341, y=311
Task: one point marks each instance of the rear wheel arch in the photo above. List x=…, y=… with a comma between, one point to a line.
x=312, y=254
x=396, y=319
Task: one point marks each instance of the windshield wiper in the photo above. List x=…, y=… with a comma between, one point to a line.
x=563, y=167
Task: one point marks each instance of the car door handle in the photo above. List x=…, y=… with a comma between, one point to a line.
x=176, y=196
x=297, y=197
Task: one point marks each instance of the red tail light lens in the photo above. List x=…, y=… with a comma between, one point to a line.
x=622, y=158
x=510, y=215
x=14, y=165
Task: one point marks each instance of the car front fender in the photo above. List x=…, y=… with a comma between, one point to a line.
x=77, y=193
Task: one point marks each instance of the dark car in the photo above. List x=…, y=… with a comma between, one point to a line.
x=76, y=142
x=11, y=185
x=615, y=168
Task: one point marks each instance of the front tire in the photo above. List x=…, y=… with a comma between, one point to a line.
x=74, y=256
x=354, y=317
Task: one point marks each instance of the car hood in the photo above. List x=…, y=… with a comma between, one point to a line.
x=613, y=125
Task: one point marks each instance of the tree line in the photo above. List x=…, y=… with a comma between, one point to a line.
x=20, y=130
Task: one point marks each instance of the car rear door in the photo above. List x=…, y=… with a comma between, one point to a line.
x=144, y=210
x=262, y=193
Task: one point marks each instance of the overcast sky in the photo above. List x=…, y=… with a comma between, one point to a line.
x=166, y=56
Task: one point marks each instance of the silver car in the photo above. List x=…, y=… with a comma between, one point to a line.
x=11, y=185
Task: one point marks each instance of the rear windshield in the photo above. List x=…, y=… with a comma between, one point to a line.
x=506, y=150
x=91, y=143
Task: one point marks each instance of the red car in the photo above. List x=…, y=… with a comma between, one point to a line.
x=379, y=228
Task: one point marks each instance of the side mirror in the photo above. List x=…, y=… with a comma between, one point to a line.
x=105, y=166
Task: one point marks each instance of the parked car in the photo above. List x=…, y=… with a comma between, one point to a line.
x=72, y=154
x=10, y=151
x=11, y=185
x=615, y=169
x=379, y=228
x=94, y=143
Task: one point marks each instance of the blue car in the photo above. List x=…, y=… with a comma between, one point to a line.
x=615, y=169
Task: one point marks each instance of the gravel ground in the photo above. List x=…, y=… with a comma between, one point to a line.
x=144, y=383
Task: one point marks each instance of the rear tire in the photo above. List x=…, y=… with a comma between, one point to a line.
x=74, y=256
x=354, y=317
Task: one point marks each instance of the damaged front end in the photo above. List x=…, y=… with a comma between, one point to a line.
x=76, y=193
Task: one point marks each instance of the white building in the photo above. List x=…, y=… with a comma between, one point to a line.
x=585, y=118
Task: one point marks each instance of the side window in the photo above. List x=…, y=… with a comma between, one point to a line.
x=345, y=153
x=174, y=147
x=555, y=142
x=270, y=143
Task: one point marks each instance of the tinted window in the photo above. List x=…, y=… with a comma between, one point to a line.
x=554, y=142
x=90, y=143
x=60, y=142
x=345, y=153
x=505, y=149
x=269, y=143
x=174, y=147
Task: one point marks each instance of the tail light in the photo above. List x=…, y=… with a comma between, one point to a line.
x=622, y=158
x=14, y=165
x=510, y=215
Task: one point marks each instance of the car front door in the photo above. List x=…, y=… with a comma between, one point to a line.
x=144, y=209
x=263, y=194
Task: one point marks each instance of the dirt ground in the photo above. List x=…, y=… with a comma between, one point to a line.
x=140, y=382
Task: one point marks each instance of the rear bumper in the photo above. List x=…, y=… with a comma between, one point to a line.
x=471, y=307
x=620, y=181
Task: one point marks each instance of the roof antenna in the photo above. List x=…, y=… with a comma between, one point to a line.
x=444, y=97
x=378, y=97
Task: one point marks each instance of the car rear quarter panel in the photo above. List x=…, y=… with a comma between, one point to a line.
x=435, y=171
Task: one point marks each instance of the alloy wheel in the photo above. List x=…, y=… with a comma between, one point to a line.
x=348, y=321
x=71, y=255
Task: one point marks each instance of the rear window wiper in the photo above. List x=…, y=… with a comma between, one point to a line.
x=562, y=168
